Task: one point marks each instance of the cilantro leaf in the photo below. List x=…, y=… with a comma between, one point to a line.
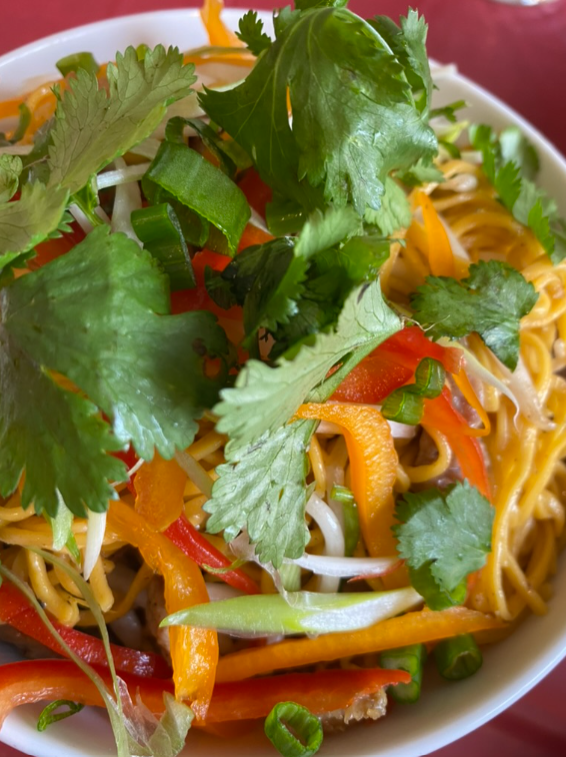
x=395, y=211
x=345, y=87
x=265, y=398
x=99, y=315
x=251, y=33
x=262, y=488
x=56, y=436
x=421, y=173
x=92, y=127
x=28, y=221
x=448, y=111
x=510, y=163
x=448, y=533
x=409, y=45
x=11, y=167
x=269, y=279
x=491, y=301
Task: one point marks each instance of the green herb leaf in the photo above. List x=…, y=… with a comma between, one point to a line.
x=30, y=220
x=341, y=76
x=448, y=111
x=265, y=398
x=510, y=164
x=395, y=211
x=98, y=315
x=251, y=33
x=92, y=126
x=262, y=488
x=448, y=533
x=10, y=169
x=491, y=301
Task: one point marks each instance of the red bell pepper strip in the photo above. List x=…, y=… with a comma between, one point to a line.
x=185, y=536
x=393, y=364
x=257, y=192
x=322, y=692
x=16, y=611
x=440, y=414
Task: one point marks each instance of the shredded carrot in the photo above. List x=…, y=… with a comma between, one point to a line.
x=463, y=383
x=413, y=628
x=217, y=31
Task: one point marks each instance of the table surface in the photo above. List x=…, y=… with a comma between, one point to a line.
x=519, y=53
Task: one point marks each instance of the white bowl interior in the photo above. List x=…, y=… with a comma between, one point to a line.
x=446, y=711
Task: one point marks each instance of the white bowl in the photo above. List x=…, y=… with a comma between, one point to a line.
x=446, y=711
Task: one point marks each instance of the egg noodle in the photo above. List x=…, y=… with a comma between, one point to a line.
x=523, y=443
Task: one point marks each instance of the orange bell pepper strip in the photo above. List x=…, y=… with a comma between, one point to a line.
x=440, y=255
x=16, y=611
x=325, y=691
x=412, y=628
x=373, y=464
x=194, y=651
x=440, y=414
x=218, y=33
x=160, y=485
x=10, y=108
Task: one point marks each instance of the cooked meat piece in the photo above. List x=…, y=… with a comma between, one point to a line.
x=155, y=612
x=28, y=647
x=368, y=707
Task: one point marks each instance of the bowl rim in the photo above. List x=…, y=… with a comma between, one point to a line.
x=545, y=660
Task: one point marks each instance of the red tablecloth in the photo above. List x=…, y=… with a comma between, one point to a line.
x=519, y=53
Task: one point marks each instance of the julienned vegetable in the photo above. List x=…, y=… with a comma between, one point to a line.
x=231, y=400
x=327, y=691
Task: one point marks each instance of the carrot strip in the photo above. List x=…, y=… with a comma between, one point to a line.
x=413, y=628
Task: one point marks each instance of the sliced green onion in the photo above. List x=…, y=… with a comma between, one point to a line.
x=48, y=716
x=429, y=378
x=185, y=175
x=458, y=658
x=72, y=63
x=158, y=227
x=403, y=406
x=341, y=494
x=287, y=719
x=23, y=123
x=412, y=659
x=297, y=613
x=174, y=133
x=351, y=527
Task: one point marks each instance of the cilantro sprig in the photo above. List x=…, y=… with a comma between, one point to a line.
x=348, y=81
x=491, y=301
x=99, y=316
x=510, y=163
x=444, y=536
